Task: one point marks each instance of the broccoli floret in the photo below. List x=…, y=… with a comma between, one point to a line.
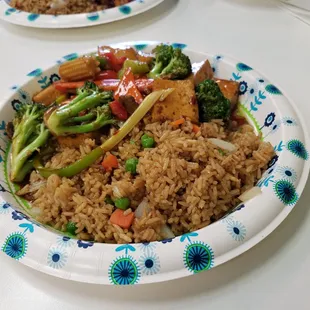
x=170, y=63
x=212, y=103
x=29, y=135
x=163, y=55
x=90, y=102
x=178, y=68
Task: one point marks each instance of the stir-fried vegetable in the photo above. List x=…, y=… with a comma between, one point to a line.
x=118, y=110
x=212, y=103
x=79, y=69
x=66, y=119
x=127, y=87
x=29, y=135
x=170, y=63
x=113, y=62
x=102, y=62
x=61, y=99
x=106, y=75
x=94, y=155
x=137, y=67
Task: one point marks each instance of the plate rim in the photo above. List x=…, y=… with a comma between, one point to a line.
x=8, y=14
x=238, y=250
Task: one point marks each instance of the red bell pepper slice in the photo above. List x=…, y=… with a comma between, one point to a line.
x=106, y=74
x=127, y=87
x=65, y=86
x=114, y=62
x=118, y=110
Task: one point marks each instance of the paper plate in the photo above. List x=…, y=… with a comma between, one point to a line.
x=14, y=16
x=271, y=113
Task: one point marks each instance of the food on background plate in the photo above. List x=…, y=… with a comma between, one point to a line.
x=59, y=7
x=130, y=147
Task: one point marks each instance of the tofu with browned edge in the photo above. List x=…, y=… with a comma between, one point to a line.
x=179, y=104
x=230, y=90
x=202, y=71
x=75, y=141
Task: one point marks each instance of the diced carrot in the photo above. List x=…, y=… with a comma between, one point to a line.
x=110, y=162
x=178, y=122
x=196, y=128
x=124, y=221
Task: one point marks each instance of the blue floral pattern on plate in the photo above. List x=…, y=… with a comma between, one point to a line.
x=57, y=258
x=15, y=245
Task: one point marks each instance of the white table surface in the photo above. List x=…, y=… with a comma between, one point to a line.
x=273, y=275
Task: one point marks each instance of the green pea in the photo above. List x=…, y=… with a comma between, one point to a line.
x=131, y=165
x=109, y=200
x=71, y=228
x=147, y=141
x=122, y=203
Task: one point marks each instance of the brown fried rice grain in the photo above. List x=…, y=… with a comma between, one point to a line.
x=186, y=180
x=70, y=7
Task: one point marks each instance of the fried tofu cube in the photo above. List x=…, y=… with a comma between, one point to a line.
x=179, y=104
x=202, y=71
x=128, y=52
x=74, y=141
x=144, y=57
x=47, y=96
x=230, y=90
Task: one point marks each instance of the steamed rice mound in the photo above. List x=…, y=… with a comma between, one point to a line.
x=187, y=181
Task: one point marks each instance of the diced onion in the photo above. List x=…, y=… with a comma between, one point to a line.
x=251, y=193
x=116, y=192
x=224, y=145
x=142, y=208
x=166, y=232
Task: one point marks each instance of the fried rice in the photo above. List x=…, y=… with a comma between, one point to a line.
x=56, y=7
x=186, y=181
